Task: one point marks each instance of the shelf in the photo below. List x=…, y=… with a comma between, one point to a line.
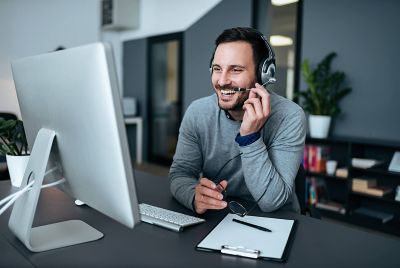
x=343, y=150
x=386, y=198
x=355, y=141
x=332, y=214
x=380, y=170
x=326, y=140
x=325, y=175
x=390, y=227
x=334, y=207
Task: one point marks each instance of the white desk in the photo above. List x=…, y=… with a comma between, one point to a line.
x=139, y=135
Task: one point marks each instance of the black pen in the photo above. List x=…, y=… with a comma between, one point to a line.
x=252, y=225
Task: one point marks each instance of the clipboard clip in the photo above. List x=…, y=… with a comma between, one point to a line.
x=240, y=251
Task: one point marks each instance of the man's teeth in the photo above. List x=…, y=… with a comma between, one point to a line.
x=227, y=92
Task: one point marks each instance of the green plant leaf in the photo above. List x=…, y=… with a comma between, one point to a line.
x=12, y=137
x=324, y=87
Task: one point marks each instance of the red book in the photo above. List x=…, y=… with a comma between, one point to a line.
x=312, y=158
x=322, y=155
x=305, y=158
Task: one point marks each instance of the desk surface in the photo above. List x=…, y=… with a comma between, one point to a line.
x=316, y=243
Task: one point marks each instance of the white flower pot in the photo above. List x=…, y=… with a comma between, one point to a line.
x=319, y=125
x=16, y=167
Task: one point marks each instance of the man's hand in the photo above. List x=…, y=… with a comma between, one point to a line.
x=257, y=109
x=208, y=195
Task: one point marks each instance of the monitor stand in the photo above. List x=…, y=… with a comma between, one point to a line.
x=49, y=236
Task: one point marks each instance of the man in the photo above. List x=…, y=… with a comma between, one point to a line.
x=261, y=133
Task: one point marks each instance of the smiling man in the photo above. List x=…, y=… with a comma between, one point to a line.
x=242, y=141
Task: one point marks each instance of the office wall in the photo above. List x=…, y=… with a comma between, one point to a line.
x=366, y=37
x=32, y=27
x=162, y=17
x=135, y=85
x=199, y=45
x=158, y=17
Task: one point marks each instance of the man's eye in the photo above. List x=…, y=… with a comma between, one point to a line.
x=237, y=70
x=216, y=69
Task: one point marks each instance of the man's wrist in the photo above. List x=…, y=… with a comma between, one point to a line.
x=247, y=139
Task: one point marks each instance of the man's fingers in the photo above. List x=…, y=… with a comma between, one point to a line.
x=204, y=202
x=249, y=110
x=258, y=108
x=205, y=206
x=259, y=91
x=266, y=104
x=208, y=196
x=211, y=201
x=210, y=193
x=252, y=94
x=207, y=183
x=260, y=86
x=224, y=183
x=265, y=98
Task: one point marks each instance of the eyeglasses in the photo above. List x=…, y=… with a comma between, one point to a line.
x=234, y=206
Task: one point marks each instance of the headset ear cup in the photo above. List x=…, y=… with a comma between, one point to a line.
x=260, y=72
x=267, y=72
x=271, y=71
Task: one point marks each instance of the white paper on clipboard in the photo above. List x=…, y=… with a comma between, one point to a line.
x=268, y=244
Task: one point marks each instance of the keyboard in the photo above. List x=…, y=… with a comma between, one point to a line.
x=167, y=218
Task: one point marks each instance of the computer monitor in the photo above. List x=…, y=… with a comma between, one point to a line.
x=71, y=109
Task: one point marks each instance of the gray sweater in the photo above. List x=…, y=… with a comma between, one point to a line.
x=207, y=141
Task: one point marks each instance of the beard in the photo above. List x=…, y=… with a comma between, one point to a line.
x=235, y=104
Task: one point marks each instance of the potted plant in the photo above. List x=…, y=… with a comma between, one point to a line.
x=14, y=146
x=323, y=94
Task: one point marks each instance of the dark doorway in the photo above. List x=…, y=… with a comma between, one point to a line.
x=165, y=95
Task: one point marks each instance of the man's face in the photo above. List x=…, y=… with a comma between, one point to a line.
x=233, y=67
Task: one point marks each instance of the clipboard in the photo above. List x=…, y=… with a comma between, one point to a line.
x=232, y=238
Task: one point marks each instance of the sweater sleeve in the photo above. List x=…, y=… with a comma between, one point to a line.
x=274, y=169
x=187, y=162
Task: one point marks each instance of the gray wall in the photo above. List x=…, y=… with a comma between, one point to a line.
x=30, y=28
x=366, y=37
x=135, y=85
x=199, y=45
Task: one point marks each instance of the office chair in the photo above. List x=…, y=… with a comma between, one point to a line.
x=3, y=164
x=300, y=185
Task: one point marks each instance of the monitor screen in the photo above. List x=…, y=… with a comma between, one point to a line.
x=70, y=102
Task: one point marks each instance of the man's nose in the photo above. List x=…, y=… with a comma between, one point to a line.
x=224, y=79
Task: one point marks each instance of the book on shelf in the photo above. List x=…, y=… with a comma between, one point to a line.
x=312, y=191
x=332, y=206
x=364, y=163
x=397, y=194
x=315, y=190
x=394, y=165
x=369, y=187
x=378, y=191
x=381, y=216
x=360, y=184
x=305, y=157
x=342, y=173
x=315, y=157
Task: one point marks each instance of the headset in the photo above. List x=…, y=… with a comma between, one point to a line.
x=266, y=68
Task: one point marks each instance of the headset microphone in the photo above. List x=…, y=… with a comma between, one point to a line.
x=242, y=89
